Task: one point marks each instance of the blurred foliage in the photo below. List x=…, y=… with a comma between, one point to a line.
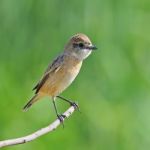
x=113, y=88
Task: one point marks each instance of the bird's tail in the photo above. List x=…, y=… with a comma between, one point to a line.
x=30, y=102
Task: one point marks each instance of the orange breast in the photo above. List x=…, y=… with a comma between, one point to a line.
x=61, y=79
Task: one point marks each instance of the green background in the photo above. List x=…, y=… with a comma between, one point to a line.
x=112, y=89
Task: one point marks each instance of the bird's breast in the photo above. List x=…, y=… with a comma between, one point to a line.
x=63, y=77
x=68, y=73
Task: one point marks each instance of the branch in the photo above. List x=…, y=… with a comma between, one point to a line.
x=38, y=133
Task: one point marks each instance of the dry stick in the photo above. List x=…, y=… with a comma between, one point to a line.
x=36, y=134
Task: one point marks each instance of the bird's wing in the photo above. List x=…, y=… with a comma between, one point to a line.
x=52, y=68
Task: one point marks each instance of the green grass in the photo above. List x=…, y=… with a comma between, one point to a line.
x=112, y=88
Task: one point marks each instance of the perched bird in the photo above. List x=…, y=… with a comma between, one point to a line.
x=63, y=70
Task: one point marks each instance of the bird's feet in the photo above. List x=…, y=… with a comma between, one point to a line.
x=75, y=105
x=61, y=118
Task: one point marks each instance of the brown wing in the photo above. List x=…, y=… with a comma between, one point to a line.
x=54, y=67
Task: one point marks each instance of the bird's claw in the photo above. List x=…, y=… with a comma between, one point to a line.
x=75, y=105
x=61, y=119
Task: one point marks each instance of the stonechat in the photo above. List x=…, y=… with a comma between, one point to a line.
x=62, y=71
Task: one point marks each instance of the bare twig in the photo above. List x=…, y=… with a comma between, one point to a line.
x=36, y=134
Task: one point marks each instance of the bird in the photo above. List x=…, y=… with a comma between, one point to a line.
x=62, y=72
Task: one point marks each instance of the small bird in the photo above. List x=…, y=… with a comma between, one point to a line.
x=62, y=71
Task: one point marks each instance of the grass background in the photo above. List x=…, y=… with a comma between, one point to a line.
x=113, y=88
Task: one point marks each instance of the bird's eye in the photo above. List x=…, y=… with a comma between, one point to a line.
x=81, y=45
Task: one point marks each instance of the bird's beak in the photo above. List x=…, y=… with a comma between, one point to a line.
x=92, y=47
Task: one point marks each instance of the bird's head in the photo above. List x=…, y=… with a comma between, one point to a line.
x=79, y=46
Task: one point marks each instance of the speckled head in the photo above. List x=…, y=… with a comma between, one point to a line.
x=79, y=46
